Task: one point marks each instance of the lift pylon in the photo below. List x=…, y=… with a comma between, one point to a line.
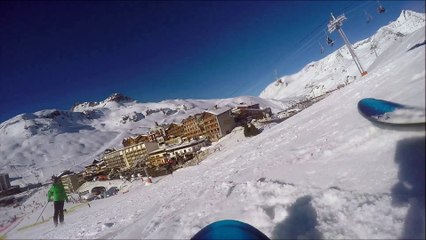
x=336, y=24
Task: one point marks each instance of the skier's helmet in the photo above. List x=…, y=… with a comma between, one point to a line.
x=55, y=179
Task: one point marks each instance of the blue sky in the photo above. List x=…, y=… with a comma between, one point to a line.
x=54, y=54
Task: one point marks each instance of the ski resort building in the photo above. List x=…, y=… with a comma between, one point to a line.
x=157, y=134
x=184, y=151
x=217, y=123
x=71, y=183
x=157, y=157
x=4, y=182
x=128, y=157
x=174, y=130
x=95, y=169
x=212, y=124
x=192, y=126
x=138, y=139
x=244, y=113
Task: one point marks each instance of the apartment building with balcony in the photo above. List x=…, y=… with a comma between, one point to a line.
x=175, y=130
x=244, y=113
x=217, y=123
x=96, y=168
x=214, y=124
x=157, y=134
x=137, y=139
x=193, y=126
x=174, y=141
x=158, y=157
x=114, y=160
x=186, y=150
x=71, y=182
x=128, y=157
x=137, y=152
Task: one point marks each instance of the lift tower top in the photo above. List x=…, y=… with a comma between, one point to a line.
x=336, y=24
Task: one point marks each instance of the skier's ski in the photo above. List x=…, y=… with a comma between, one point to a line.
x=391, y=113
x=229, y=229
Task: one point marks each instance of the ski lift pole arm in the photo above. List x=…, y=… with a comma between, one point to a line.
x=351, y=51
x=336, y=24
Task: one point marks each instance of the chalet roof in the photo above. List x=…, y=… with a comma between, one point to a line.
x=256, y=105
x=184, y=145
x=195, y=117
x=65, y=173
x=173, y=125
x=159, y=150
x=109, y=150
x=141, y=136
x=95, y=163
x=89, y=166
x=218, y=111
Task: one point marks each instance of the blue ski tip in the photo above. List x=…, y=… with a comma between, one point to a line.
x=229, y=229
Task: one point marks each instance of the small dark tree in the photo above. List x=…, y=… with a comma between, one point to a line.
x=250, y=130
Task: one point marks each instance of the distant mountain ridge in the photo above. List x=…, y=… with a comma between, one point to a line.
x=338, y=69
x=115, y=97
x=36, y=145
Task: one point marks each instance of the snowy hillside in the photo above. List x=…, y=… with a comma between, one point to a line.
x=36, y=145
x=327, y=172
x=338, y=69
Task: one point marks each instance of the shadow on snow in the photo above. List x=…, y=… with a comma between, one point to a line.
x=300, y=223
x=417, y=45
x=410, y=189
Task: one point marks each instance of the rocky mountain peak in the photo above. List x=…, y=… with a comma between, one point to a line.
x=115, y=97
x=118, y=97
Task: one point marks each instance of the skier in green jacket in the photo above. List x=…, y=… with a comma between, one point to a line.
x=57, y=193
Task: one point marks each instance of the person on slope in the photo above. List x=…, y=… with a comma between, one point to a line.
x=57, y=193
x=169, y=166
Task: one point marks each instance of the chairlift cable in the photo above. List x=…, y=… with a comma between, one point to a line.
x=296, y=52
x=309, y=39
x=369, y=18
x=321, y=48
x=303, y=47
x=349, y=14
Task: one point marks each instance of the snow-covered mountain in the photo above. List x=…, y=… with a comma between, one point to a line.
x=36, y=145
x=338, y=69
x=325, y=173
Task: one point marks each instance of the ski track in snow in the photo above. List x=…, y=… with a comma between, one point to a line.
x=280, y=210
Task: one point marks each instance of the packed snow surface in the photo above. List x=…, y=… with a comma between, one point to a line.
x=326, y=172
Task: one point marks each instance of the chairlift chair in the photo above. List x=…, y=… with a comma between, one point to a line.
x=321, y=48
x=330, y=41
x=368, y=17
x=380, y=8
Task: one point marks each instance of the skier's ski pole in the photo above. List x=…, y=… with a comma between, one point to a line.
x=42, y=212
